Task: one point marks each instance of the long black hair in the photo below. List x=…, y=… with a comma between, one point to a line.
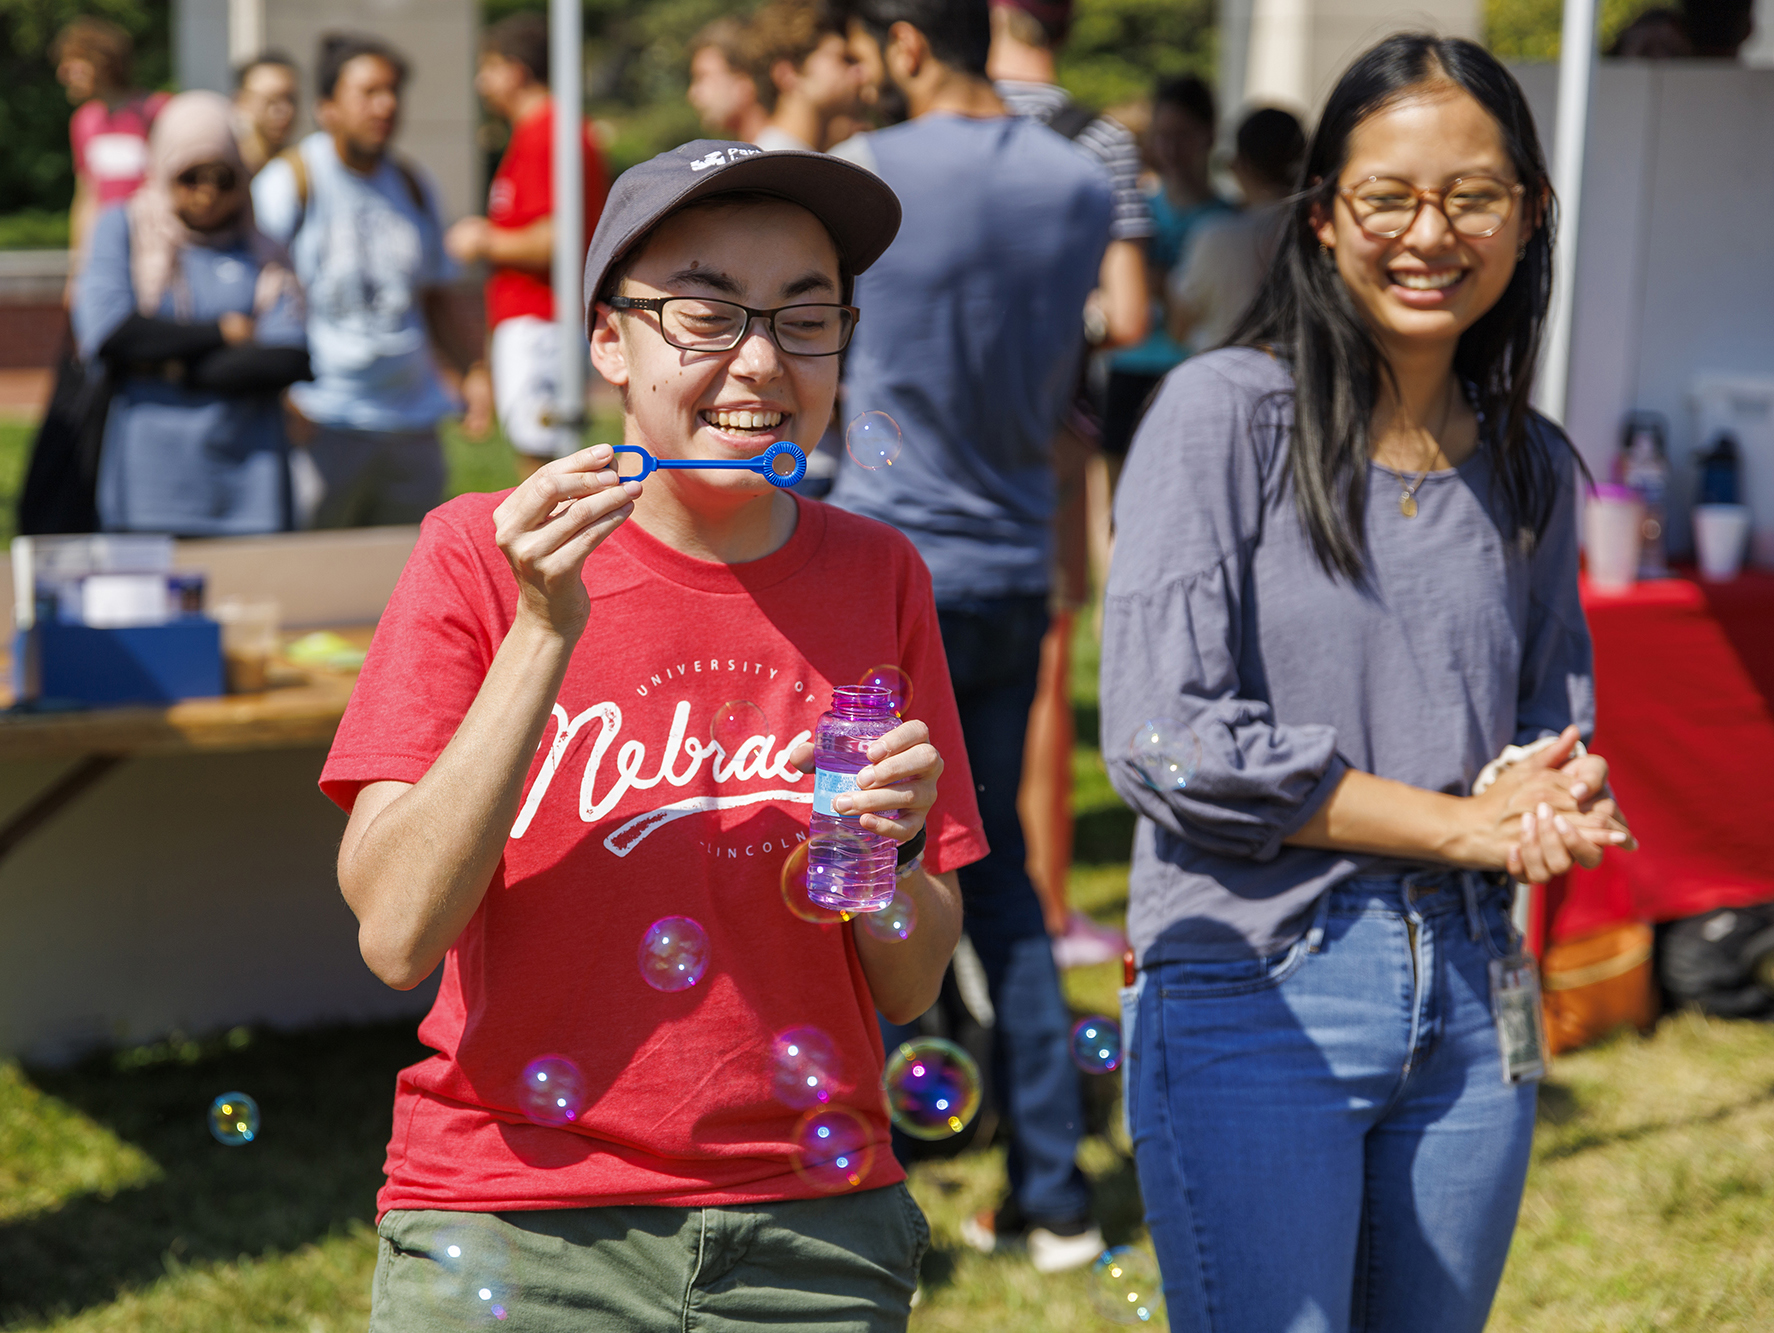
x=1304, y=313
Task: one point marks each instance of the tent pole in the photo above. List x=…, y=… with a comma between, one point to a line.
x=566, y=74
x=1576, y=71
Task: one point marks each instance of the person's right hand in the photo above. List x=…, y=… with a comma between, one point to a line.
x=549, y=525
x=236, y=328
x=1538, y=820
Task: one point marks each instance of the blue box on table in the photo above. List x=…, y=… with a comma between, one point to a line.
x=137, y=664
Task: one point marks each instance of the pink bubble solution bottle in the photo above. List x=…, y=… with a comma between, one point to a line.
x=849, y=869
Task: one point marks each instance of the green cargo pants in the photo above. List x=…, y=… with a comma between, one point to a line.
x=847, y=1264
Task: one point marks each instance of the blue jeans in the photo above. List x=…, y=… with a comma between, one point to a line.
x=994, y=651
x=1324, y=1138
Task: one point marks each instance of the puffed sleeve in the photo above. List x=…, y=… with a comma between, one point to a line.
x=1188, y=515
x=1557, y=684
x=104, y=297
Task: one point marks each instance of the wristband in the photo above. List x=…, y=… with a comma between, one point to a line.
x=911, y=852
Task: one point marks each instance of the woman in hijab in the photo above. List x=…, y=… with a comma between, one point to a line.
x=200, y=322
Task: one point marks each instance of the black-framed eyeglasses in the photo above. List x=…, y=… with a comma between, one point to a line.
x=698, y=324
x=216, y=174
x=1475, y=206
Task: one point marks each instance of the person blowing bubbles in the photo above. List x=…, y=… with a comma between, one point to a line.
x=528, y=639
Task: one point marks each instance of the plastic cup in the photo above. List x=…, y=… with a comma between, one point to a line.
x=1721, y=532
x=249, y=641
x=1613, y=528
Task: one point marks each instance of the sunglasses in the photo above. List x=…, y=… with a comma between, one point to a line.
x=214, y=174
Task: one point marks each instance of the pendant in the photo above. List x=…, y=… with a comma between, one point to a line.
x=1407, y=504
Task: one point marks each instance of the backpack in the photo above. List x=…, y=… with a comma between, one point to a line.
x=1072, y=120
x=298, y=166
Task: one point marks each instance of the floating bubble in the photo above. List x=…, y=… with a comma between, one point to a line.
x=735, y=723
x=674, y=953
x=553, y=1091
x=1126, y=1287
x=873, y=441
x=1165, y=753
x=474, y=1282
x=1096, y=1045
x=932, y=1088
x=894, y=922
x=834, y=1149
x=805, y=1067
x=234, y=1119
x=794, y=891
x=895, y=681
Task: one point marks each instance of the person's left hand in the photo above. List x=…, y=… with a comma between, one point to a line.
x=1551, y=844
x=466, y=240
x=895, y=792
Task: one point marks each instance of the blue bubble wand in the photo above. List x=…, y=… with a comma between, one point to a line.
x=765, y=464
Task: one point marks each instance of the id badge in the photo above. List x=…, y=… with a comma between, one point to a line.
x=1521, y=1027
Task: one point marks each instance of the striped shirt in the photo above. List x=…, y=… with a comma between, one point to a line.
x=1105, y=138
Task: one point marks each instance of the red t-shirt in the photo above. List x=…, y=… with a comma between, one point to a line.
x=624, y=822
x=523, y=191
x=111, y=144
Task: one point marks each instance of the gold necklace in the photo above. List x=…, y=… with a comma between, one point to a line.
x=1407, y=495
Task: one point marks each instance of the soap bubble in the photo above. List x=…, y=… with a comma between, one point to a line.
x=1096, y=1045
x=553, y=1091
x=932, y=1088
x=1165, y=753
x=1126, y=1286
x=834, y=1149
x=674, y=953
x=794, y=891
x=805, y=1067
x=474, y=1283
x=873, y=441
x=894, y=922
x=895, y=681
x=234, y=1119
x=735, y=723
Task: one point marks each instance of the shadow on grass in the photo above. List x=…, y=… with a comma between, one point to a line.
x=1115, y=1200
x=326, y=1098
x=1581, y=1143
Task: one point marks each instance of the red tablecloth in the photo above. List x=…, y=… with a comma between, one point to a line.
x=1684, y=672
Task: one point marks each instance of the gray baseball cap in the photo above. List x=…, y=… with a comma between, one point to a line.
x=855, y=205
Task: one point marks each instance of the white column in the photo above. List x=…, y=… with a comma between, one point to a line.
x=566, y=71
x=1576, y=69
x=246, y=30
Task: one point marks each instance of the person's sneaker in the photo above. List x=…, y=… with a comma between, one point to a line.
x=1085, y=943
x=1054, y=1253
x=982, y=1232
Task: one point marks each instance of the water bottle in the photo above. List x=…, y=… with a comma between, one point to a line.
x=849, y=869
x=1719, y=471
x=1644, y=467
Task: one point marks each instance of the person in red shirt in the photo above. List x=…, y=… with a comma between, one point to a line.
x=94, y=62
x=586, y=713
x=516, y=238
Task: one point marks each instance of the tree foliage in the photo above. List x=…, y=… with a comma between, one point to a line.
x=1529, y=29
x=36, y=167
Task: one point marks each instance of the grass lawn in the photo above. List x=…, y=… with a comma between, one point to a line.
x=1648, y=1207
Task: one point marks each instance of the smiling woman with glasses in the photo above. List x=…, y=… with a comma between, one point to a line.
x=1345, y=583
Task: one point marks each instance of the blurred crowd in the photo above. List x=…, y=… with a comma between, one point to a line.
x=276, y=326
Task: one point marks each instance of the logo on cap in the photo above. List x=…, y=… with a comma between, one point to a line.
x=726, y=157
